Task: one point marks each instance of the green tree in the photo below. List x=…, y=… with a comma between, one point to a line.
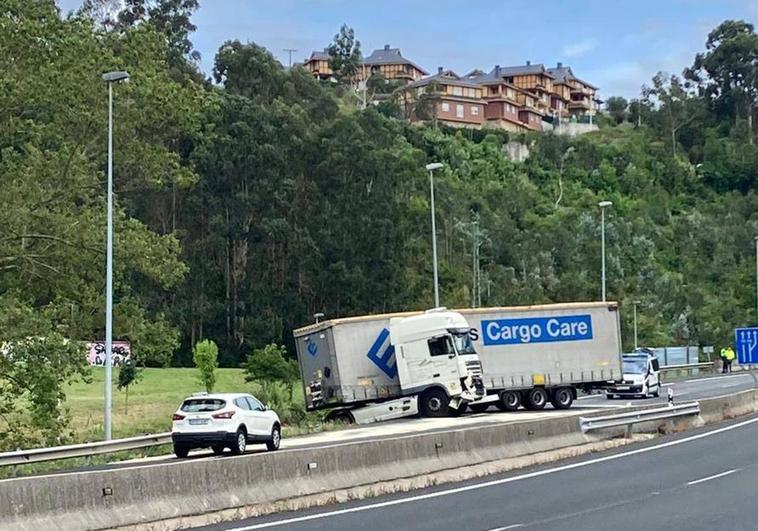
x=677, y=106
x=270, y=365
x=128, y=375
x=728, y=70
x=248, y=70
x=34, y=372
x=205, y=357
x=345, y=57
x=617, y=108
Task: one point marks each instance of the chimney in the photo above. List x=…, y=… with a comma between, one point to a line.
x=386, y=46
x=497, y=70
x=439, y=70
x=560, y=65
x=528, y=63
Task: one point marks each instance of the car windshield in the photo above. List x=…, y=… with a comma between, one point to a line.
x=463, y=344
x=635, y=365
x=201, y=405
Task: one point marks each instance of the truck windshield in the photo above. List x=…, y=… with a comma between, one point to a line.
x=463, y=344
x=634, y=365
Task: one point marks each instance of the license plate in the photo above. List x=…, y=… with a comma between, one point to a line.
x=196, y=422
x=622, y=388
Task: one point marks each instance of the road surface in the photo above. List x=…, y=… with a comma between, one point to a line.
x=705, y=479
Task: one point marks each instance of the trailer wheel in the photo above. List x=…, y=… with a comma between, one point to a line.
x=434, y=403
x=536, y=399
x=340, y=415
x=479, y=408
x=509, y=401
x=562, y=398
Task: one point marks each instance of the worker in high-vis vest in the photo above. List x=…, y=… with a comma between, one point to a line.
x=727, y=357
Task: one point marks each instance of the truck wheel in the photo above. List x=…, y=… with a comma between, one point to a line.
x=562, y=398
x=433, y=403
x=509, y=401
x=340, y=415
x=479, y=408
x=536, y=399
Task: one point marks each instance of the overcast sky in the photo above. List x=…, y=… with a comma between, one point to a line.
x=615, y=44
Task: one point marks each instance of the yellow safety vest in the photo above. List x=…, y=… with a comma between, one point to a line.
x=729, y=354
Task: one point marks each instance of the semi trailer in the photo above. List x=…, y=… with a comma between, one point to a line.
x=535, y=355
x=438, y=362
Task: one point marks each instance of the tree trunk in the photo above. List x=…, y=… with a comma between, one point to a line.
x=750, y=126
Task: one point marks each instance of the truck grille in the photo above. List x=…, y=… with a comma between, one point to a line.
x=474, y=368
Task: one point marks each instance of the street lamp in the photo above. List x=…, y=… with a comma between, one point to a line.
x=110, y=78
x=430, y=168
x=603, y=205
x=634, y=305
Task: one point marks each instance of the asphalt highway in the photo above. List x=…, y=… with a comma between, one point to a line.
x=705, y=479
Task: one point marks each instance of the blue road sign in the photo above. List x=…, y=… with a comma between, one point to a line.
x=746, y=344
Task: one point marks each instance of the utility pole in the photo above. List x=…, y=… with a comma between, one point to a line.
x=603, y=205
x=478, y=238
x=290, y=51
x=430, y=168
x=110, y=78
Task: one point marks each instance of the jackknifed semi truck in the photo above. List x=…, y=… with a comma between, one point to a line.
x=439, y=362
x=380, y=367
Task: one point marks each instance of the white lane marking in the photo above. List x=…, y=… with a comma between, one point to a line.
x=512, y=526
x=715, y=476
x=495, y=482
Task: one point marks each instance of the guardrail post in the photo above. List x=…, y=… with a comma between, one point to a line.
x=628, y=433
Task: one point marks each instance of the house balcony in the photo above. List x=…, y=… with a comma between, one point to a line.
x=580, y=105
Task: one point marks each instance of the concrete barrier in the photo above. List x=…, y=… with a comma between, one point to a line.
x=150, y=493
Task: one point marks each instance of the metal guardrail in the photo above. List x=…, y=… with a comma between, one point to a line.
x=87, y=450
x=634, y=417
x=703, y=365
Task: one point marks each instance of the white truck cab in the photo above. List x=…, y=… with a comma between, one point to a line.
x=435, y=359
x=641, y=376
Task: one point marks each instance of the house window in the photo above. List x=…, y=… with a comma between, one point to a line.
x=445, y=107
x=457, y=91
x=471, y=93
x=474, y=110
x=459, y=111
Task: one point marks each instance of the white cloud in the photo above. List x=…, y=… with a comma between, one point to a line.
x=579, y=48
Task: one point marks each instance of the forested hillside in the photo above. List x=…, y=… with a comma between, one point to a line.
x=252, y=200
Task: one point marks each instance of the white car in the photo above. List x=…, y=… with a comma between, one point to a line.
x=224, y=420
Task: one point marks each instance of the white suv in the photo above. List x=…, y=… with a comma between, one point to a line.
x=223, y=421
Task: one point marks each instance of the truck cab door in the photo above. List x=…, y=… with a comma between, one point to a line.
x=426, y=362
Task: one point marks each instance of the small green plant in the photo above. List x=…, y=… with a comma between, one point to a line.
x=205, y=357
x=270, y=365
x=128, y=375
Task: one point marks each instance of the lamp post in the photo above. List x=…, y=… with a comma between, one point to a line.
x=430, y=168
x=110, y=78
x=756, y=279
x=634, y=305
x=603, y=205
